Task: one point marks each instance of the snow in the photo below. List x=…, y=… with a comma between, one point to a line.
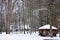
x=33, y=36
x=41, y=9
x=47, y=27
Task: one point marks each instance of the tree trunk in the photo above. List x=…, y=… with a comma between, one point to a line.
x=8, y=15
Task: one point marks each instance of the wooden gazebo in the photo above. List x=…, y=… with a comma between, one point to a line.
x=45, y=30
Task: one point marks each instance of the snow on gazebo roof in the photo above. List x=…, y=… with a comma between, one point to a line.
x=47, y=27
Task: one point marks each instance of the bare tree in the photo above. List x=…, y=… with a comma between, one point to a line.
x=9, y=12
x=1, y=16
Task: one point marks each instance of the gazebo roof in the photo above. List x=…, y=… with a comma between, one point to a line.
x=47, y=27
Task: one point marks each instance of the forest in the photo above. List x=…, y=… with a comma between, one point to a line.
x=28, y=15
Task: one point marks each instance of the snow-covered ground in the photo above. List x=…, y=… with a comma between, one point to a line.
x=33, y=36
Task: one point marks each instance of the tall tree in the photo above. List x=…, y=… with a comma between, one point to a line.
x=51, y=9
x=1, y=16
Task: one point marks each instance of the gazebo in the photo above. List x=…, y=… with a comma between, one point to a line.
x=45, y=30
